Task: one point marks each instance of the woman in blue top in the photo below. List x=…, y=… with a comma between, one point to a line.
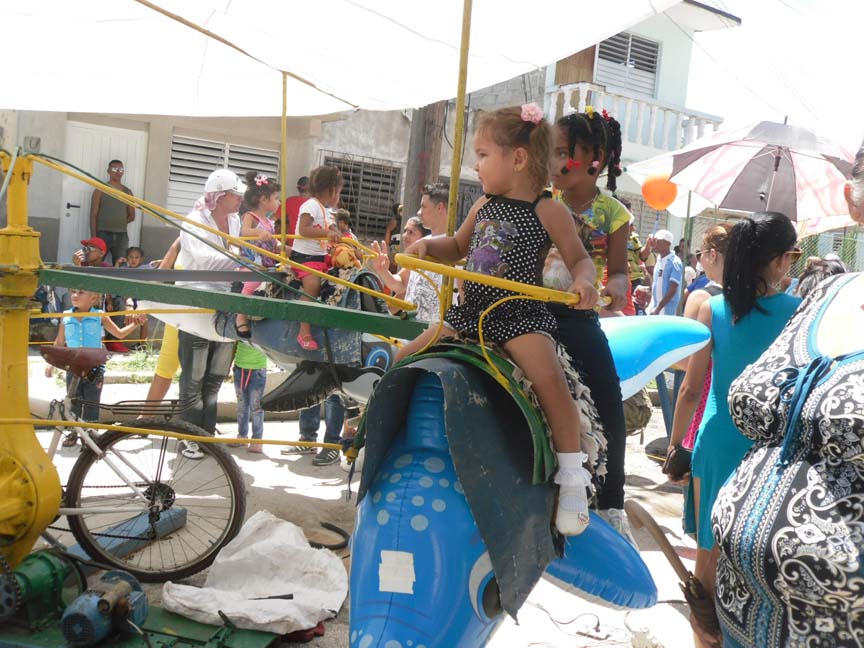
x=744, y=321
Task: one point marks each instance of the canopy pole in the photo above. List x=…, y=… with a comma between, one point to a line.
x=283, y=159
x=458, y=136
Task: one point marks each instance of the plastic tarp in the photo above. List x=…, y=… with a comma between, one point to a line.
x=270, y=558
x=122, y=56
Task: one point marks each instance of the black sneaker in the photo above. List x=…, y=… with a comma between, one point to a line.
x=326, y=457
x=292, y=450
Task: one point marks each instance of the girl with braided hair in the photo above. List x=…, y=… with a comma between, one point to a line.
x=585, y=145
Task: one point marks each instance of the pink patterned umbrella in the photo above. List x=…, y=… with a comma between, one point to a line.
x=770, y=167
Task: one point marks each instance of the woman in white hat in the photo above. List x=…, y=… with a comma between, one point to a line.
x=205, y=364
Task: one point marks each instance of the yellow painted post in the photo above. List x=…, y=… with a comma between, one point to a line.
x=29, y=484
x=283, y=155
x=456, y=163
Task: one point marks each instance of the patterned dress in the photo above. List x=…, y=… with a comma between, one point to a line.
x=790, y=520
x=510, y=242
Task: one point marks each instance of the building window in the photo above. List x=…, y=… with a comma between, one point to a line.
x=371, y=189
x=467, y=194
x=193, y=160
x=628, y=62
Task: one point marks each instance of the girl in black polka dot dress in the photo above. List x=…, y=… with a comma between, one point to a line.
x=507, y=234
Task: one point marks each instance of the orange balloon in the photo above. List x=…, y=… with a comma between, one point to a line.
x=658, y=192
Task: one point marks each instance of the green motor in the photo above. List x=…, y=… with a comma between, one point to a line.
x=37, y=591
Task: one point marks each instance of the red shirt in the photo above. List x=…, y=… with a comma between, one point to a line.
x=292, y=213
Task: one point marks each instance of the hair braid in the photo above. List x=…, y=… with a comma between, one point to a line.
x=601, y=134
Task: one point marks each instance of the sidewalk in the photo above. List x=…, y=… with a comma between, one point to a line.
x=293, y=489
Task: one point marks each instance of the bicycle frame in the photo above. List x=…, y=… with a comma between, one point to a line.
x=86, y=435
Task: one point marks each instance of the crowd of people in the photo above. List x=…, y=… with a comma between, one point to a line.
x=766, y=431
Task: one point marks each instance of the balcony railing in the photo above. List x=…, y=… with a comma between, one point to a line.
x=645, y=122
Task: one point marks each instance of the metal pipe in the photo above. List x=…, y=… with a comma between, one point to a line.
x=283, y=157
x=458, y=136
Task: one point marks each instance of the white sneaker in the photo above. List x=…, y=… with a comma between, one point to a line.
x=358, y=462
x=191, y=450
x=571, y=518
x=617, y=519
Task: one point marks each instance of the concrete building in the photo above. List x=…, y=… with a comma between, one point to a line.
x=640, y=76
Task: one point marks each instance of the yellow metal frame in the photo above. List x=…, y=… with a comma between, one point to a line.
x=29, y=484
x=30, y=488
x=537, y=292
x=236, y=240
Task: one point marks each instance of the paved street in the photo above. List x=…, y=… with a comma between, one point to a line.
x=292, y=488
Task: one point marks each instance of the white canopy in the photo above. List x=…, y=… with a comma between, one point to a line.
x=123, y=56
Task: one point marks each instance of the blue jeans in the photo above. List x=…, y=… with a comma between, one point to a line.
x=117, y=242
x=334, y=417
x=85, y=401
x=203, y=367
x=249, y=387
x=667, y=400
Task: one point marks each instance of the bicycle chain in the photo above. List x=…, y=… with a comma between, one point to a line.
x=104, y=535
x=108, y=535
x=8, y=608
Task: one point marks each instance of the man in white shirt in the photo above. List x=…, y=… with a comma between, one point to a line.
x=204, y=364
x=668, y=274
x=411, y=285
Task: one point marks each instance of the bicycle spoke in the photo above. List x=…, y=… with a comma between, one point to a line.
x=208, y=490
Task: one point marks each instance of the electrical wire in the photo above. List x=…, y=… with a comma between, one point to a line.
x=170, y=217
x=239, y=259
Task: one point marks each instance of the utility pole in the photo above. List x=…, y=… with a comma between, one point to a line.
x=424, y=154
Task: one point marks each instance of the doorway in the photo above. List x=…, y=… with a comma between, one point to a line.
x=91, y=147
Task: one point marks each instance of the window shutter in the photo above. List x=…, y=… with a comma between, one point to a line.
x=370, y=191
x=242, y=159
x=193, y=160
x=628, y=62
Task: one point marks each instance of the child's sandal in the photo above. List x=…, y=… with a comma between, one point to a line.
x=307, y=342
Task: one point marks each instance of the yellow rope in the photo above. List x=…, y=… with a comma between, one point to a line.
x=527, y=291
x=393, y=341
x=495, y=371
x=143, y=311
x=137, y=202
x=172, y=435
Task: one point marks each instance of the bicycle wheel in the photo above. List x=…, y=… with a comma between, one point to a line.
x=180, y=512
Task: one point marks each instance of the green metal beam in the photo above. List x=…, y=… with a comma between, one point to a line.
x=294, y=310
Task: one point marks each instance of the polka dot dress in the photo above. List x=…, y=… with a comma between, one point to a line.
x=510, y=242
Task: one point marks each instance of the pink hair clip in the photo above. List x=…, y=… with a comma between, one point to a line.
x=261, y=180
x=531, y=112
x=595, y=164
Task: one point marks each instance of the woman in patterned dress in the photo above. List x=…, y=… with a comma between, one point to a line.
x=744, y=321
x=790, y=521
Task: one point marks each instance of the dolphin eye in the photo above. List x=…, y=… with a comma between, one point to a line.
x=492, y=599
x=483, y=589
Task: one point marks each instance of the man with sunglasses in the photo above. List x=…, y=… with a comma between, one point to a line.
x=92, y=254
x=109, y=217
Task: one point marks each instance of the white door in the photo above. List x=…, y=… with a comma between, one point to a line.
x=91, y=148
